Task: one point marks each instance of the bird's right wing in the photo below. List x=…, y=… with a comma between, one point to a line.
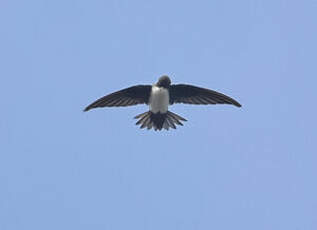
x=134, y=95
x=190, y=94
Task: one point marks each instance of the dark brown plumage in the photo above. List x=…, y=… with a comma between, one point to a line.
x=159, y=96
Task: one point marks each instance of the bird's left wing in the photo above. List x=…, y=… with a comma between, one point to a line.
x=134, y=95
x=190, y=94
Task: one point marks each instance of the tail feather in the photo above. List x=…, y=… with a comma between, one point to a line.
x=170, y=122
x=146, y=122
x=176, y=118
x=158, y=121
x=142, y=116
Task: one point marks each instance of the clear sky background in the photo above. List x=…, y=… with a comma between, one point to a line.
x=228, y=168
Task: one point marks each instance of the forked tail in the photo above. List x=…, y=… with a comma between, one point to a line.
x=158, y=121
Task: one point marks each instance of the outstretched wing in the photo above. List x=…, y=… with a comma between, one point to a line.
x=134, y=95
x=190, y=94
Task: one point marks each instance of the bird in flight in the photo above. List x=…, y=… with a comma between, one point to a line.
x=159, y=96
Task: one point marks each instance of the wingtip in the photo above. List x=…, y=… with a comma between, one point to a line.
x=237, y=104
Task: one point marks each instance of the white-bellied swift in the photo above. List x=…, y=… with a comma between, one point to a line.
x=159, y=96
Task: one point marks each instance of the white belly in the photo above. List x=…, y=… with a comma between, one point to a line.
x=159, y=100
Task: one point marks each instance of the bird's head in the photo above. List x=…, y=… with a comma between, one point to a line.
x=164, y=81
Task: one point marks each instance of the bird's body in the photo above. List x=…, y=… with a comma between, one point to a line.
x=159, y=96
x=159, y=99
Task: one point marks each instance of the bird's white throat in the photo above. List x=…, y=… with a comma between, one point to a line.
x=159, y=100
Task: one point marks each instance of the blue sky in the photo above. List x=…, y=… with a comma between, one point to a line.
x=227, y=168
